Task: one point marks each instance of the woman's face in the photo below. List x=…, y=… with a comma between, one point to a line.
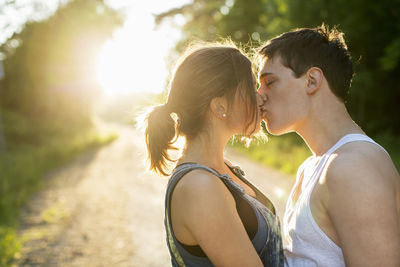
x=241, y=118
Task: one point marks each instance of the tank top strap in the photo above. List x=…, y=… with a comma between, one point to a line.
x=352, y=138
x=184, y=168
x=259, y=195
x=344, y=140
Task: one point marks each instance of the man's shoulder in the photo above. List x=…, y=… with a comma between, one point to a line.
x=361, y=163
x=364, y=150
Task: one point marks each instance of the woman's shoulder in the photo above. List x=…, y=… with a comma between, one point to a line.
x=198, y=183
x=201, y=195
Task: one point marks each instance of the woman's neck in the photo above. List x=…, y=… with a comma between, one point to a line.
x=205, y=150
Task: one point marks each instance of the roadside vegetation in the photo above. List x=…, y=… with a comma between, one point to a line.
x=284, y=153
x=24, y=166
x=47, y=98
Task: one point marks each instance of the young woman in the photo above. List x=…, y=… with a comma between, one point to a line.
x=213, y=215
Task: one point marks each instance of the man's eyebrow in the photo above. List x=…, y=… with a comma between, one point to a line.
x=265, y=74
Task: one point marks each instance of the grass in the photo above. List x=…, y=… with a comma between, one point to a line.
x=287, y=152
x=9, y=244
x=54, y=214
x=22, y=170
x=284, y=153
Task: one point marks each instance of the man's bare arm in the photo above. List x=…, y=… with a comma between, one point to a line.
x=362, y=205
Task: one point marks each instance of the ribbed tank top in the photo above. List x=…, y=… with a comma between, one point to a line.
x=308, y=245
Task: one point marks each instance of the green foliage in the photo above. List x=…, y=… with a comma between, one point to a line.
x=371, y=30
x=46, y=103
x=49, y=65
x=24, y=165
x=392, y=145
x=245, y=22
x=45, y=99
x=54, y=214
x=391, y=57
x=9, y=244
x=284, y=153
x=23, y=169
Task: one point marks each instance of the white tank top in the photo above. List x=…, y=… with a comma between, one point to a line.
x=308, y=245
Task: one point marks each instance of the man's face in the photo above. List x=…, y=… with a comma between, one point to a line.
x=285, y=100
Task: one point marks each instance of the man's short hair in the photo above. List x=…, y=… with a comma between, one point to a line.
x=320, y=47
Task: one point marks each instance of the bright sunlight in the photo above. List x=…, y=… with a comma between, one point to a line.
x=134, y=59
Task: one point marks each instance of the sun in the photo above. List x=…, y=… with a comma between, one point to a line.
x=126, y=66
x=133, y=61
x=113, y=69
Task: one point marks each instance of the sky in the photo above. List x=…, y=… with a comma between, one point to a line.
x=126, y=64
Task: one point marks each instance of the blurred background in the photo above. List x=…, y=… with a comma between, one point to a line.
x=74, y=73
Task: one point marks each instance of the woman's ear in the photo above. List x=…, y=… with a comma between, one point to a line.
x=219, y=107
x=314, y=78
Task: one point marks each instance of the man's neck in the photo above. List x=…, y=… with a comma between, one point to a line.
x=326, y=129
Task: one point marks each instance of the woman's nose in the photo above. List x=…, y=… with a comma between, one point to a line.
x=261, y=95
x=261, y=99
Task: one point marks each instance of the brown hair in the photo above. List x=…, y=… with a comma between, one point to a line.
x=204, y=72
x=320, y=47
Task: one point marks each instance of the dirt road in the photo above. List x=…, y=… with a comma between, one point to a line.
x=104, y=209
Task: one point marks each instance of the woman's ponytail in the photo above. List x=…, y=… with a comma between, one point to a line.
x=160, y=135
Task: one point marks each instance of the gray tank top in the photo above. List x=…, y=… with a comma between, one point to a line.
x=267, y=240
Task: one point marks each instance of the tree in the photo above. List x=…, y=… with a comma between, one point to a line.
x=49, y=65
x=371, y=30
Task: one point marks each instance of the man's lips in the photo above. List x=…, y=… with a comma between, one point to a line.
x=263, y=109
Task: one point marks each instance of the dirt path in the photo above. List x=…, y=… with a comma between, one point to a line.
x=104, y=209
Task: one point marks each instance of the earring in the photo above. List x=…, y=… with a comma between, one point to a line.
x=223, y=115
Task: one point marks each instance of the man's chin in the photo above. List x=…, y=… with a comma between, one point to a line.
x=269, y=129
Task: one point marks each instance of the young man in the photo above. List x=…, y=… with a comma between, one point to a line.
x=344, y=208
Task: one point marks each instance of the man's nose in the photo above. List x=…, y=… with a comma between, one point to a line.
x=262, y=94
